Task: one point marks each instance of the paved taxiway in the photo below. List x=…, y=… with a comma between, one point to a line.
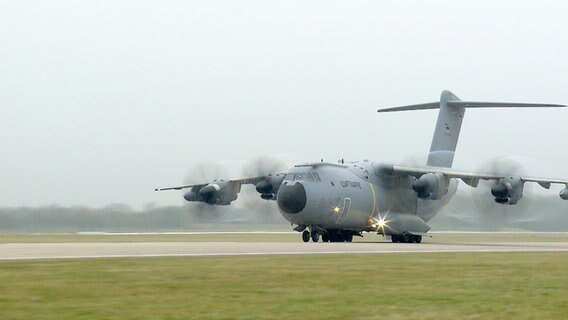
x=38, y=251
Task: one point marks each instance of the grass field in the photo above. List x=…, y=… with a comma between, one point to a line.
x=393, y=286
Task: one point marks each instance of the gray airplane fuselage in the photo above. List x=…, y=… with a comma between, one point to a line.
x=353, y=196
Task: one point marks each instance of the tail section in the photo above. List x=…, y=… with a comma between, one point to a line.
x=450, y=118
x=447, y=131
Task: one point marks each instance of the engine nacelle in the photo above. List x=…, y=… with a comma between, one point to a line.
x=218, y=192
x=431, y=186
x=508, y=190
x=268, y=188
x=564, y=193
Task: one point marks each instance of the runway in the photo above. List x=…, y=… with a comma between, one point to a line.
x=47, y=251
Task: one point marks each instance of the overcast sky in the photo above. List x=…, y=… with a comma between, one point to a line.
x=101, y=101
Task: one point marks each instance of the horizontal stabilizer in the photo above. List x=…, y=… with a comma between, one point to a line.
x=470, y=104
x=424, y=106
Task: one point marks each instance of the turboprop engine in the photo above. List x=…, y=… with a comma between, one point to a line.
x=564, y=193
x=268, y=187
x=218, y=192
x=508, y=190
x=431, y=186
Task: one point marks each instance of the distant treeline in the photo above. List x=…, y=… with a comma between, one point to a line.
x=121, y=218
x=545, y=213
x=540, y=212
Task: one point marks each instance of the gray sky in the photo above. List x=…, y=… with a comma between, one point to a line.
x=101, y=101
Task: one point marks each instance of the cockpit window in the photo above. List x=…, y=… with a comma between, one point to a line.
x=316, y=176
x=299, y=176
x=289, y=176
x=309, y=177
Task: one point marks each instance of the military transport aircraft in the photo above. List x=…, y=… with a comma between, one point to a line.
x=340, y=200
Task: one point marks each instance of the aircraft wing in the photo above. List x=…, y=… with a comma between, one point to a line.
x=471, y=178
x=253, y=180
x=223, y=192
x=181, y=187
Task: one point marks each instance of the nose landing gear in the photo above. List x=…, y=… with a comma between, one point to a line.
x=327, y=235
x=315, y=236
x=307, y=235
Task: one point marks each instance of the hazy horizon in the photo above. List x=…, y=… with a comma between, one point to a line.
x=104, y=101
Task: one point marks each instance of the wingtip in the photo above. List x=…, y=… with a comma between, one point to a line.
x=555, y=105
x=389, y=109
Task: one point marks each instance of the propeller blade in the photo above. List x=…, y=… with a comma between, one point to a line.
x=488, y=197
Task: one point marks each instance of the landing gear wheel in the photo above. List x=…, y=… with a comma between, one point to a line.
x=349, y=238
x=306, y=236
x=325, y=237
x=315, y=236
x=417, y=239
x=395, y=238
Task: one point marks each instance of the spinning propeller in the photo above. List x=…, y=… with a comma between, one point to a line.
x=507, y=200
x=204, y=172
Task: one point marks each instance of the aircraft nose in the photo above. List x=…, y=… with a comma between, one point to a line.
x=292, y=198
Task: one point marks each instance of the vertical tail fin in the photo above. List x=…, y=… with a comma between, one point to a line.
x=447, y=131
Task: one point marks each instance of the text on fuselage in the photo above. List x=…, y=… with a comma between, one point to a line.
x=350, y=184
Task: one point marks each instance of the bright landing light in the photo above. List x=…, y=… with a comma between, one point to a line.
x=380, y=223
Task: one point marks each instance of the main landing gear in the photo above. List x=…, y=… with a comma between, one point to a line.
x=406, y=238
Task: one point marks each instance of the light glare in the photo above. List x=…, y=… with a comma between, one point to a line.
x=380, y=224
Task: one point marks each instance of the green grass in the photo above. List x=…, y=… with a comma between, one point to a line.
x=383, y=286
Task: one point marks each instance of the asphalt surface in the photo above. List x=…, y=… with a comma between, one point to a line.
x=41, y=251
